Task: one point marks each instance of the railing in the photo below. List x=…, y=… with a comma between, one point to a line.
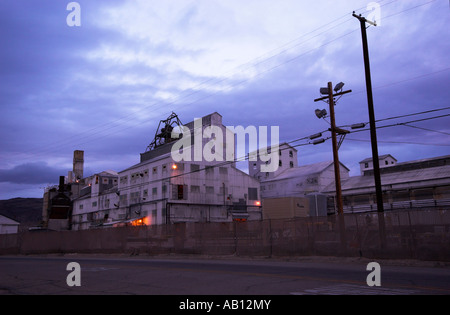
x=399, y=205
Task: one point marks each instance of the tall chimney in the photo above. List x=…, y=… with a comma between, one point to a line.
x=78, y=164
x=61, y=183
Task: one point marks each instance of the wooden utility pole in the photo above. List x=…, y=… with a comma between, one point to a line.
x=373, y=130
x=337, y=172
x=334, y=131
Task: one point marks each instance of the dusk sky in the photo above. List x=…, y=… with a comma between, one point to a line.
x=103, y=86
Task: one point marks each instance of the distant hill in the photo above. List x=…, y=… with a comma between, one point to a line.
x=27, y=211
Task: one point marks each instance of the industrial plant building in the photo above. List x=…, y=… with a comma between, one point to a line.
x=419, y=184
x=162, y=190
x=158, y=190
x=415, y=184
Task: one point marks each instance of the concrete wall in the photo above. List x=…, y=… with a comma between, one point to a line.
x=423, y=235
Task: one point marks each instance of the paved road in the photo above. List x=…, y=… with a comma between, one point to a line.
x=184, y=276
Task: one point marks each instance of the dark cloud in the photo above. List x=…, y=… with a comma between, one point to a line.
x=32, y=173
x=55, y=97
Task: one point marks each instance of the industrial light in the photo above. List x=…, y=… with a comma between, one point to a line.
x=324, y=91
x=339, y=86
x=174, y=166
x=321, y=113
x=258, y=203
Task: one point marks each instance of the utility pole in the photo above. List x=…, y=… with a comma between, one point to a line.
x=334, y=131
x=373, y=128
x=373, y=131
x=337, y=172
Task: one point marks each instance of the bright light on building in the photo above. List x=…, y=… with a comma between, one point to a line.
x=174, y=167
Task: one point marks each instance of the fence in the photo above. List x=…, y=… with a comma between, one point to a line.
x=423, y=235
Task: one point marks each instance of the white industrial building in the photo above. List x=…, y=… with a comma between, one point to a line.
x=159, y=190
x=414, y=184
x=8, y=226
x=409, y=185
x=291, y=180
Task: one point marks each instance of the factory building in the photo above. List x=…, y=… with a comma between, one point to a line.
x=293, y=190
x=415, y=184
x=161, y=190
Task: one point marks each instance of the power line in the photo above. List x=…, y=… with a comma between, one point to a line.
x=403, y=116
x=402, y=142
x=431, y=130
x=119, y=122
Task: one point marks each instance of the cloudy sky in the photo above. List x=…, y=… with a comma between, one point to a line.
x=103, y=86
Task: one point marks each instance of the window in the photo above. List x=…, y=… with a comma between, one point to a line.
x=179, y=192
x=94, y=204
x=209, y=172
x=223, y=170
x=252, y=193
x=195, y=167
x=123, y=199
x=195, y=189
x=154, y=191
x=291, y=154
x=155, y=171
x=280, y=163
x=291, y=164
x=223, y=190
x=366, y=165
x=210, y=189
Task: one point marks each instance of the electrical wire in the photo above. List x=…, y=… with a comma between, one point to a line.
x=119, y=122
x=402, y=142
x=431, y=130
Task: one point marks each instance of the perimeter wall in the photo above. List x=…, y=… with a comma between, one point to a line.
x=423, y=235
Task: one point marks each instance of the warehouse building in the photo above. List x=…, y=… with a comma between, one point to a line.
x=415, y=184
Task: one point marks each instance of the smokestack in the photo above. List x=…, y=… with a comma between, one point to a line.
x=78, y=164
x=61, y=183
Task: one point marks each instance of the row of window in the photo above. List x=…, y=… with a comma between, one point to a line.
x=280, y=152
x=94, y=204
x=180, y=192
x=155, y=172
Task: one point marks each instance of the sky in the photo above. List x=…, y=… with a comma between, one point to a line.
x=103, y=86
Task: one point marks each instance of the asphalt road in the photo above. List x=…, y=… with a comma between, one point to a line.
x=196, y=277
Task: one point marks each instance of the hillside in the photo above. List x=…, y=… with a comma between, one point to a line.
x=27, y=211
